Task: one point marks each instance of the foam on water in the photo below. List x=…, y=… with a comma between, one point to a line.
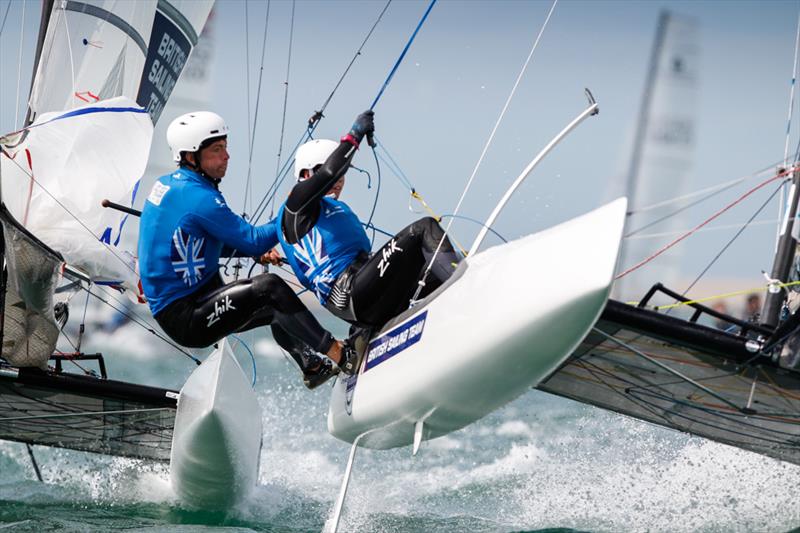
x=541, y=462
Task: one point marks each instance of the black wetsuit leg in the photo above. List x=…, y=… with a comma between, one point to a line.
x=384, y=285
x=217, y=310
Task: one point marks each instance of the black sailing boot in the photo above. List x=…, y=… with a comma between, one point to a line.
x=319, y=375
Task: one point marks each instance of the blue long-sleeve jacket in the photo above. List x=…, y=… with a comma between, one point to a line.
x=184, y=226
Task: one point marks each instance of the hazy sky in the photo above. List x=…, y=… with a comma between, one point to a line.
x=439, y=110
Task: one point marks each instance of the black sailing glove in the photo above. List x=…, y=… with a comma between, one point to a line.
x=364, y=125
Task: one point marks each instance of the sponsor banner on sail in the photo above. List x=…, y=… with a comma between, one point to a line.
x=172, y=39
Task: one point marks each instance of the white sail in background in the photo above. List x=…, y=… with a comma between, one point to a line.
x=663, y=153
x=93, y=50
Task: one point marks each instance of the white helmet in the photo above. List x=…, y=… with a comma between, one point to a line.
x=187, y=132
x=311, y=154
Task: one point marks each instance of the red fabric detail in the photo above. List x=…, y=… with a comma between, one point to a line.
x=349, y=139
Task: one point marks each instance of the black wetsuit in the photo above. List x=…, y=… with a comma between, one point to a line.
x=376, y=287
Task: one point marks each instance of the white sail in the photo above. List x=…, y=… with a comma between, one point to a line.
x=57, y=194
x=663, y=152
x=93, y=50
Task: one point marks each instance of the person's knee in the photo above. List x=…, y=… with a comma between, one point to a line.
x=270, y=284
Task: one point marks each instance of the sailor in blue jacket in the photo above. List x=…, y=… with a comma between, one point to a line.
x=328, y=249
x=186, y=227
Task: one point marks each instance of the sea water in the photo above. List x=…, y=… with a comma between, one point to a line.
x=540, y=463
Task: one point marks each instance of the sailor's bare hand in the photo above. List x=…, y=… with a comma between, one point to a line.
x=272, y=258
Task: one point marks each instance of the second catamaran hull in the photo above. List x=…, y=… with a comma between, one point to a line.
x=512, y=316
x=216, y=442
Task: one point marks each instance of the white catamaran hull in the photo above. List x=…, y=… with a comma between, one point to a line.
x=513, y=316
x=216, y=444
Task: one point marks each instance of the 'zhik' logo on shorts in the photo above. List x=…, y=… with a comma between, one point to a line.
x=219, y=307
x=387, y=251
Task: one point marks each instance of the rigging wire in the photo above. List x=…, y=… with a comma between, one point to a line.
x=319, y=114
x=252, y=134
x=713, y=188
x=285, y=102
x=402, y=55
x=485, y=149
x=313, y=122
x=733, y=239
x=70, y=213
x=5, y=16
x=141, y=323
x=19, y=64
x=248, y=185
x=791, y=95
x=780, y=175
x=783, y=200
x=703, y=230
x=672, y=214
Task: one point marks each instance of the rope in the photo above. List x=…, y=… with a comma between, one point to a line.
x=486, y=146
x=285, y=103
x=319, y=114
x=402, y=55
x=720, y=296
x=309, y=131
x=733, y=239
x=778, y=176
x=252, y=357
x=248, y=189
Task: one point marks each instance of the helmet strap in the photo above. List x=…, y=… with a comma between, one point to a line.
x=195, y=167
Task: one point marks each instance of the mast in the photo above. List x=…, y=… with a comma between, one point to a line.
x=47, y=9
x=783, y=258
x=644, y=111
x=663, y=144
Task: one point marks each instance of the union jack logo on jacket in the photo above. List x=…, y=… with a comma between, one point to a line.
x=188, y=256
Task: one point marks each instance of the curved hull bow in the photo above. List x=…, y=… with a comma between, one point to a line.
x=513, y=316
x=216, y=444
